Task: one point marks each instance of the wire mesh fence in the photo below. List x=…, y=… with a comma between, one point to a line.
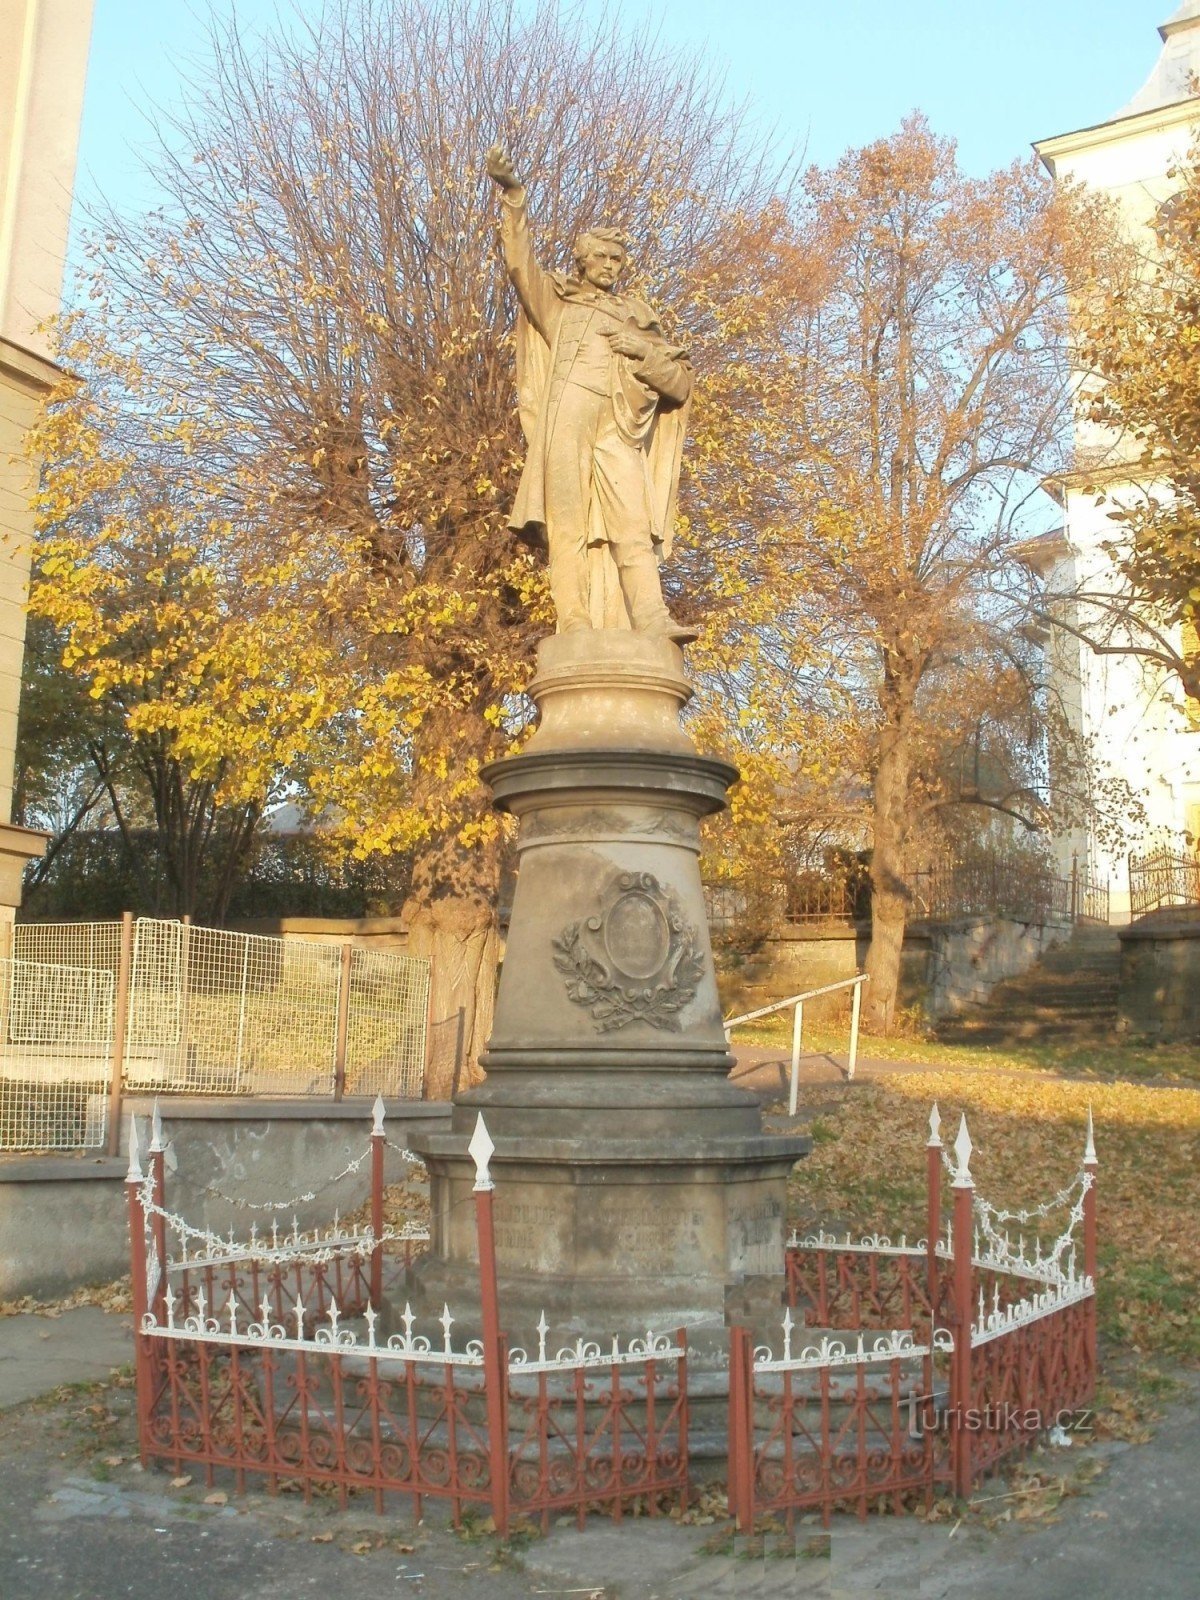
x=69, y=944
x=205, y=1012
x=56, y=1045
x=212, y=1012
x=387, y=1015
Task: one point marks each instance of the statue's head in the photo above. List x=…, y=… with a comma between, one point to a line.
x=600, y=256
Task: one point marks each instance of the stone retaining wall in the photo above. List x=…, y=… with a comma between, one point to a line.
x=371, y=933
x=63, y=1218
x=966, y=959
x=946, y=967
x=1160, y=976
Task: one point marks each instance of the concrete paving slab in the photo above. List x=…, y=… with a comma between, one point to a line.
x=39, y=1353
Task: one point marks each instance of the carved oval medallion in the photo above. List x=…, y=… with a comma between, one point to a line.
x=637, y=936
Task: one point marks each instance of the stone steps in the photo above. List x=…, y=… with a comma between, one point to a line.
x=1069, y=996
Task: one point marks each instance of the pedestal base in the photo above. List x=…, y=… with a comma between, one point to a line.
x=635, y=1188
x=609, y=1236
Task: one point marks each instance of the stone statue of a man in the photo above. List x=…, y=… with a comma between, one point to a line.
x=603, y=400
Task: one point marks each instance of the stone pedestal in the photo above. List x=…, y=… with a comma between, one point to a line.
x=634, y=1184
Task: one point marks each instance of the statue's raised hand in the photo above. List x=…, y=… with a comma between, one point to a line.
x=500, y=169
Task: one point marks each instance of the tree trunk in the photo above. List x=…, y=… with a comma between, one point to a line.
x=452, y=920
x=889, y=896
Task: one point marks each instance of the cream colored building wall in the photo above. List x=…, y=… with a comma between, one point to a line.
x=43, y=62
x=1133, y=714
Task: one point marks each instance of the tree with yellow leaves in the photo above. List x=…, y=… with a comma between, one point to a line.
x=194, y=643
x=316, y=334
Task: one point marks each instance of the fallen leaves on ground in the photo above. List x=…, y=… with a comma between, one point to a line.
x=707, y=1505
x=117, y=1296
x=1115, y=1061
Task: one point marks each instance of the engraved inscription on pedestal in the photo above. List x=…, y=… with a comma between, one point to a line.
x=756, y=1235
x=531, y=1233
x=638, y=960
x=647, y=1240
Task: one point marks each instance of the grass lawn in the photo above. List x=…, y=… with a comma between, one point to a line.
x=867, y=1172
x=1175, y=1063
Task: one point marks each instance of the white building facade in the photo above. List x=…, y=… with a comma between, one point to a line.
x=1142, y=734
x=43, y=63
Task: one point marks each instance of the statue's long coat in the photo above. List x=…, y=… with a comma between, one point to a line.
x=650, y=415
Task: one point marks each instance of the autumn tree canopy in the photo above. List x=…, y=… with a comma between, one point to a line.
x=927, y=395
x=274, y=520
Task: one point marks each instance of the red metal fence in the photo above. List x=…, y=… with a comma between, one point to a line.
x=269, y=1358
x=902, y=1368
x=928, y=1364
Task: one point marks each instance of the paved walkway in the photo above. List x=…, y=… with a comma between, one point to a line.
x=37, y=1354
x=80, y=1520
x=765, y=1069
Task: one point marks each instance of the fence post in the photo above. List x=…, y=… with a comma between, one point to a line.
x=185, y=999
x=120, y=1028
x=933, y=1222
x=1090, y=1166
x=158, y=1178
x=343, y=1022
x=797, y=1034
x=241, y=1027
x=741, y=1435
x=964, y=1313
x=137, y=1275
x=378, y=1142
x=1074, y=886
x=495, y=1357
x=429, y=1038
x=855, y=1012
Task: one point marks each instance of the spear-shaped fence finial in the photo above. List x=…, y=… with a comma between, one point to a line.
x=134, y=1174
x=156, y=1130
x=378, y=1113
x=481, y=1150
x=935, y=1128
x=1089, y=1149
x=962, y=1151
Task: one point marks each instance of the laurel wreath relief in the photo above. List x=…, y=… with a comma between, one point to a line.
x=583, y=954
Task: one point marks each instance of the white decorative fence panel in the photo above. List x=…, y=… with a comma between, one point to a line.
x=56, y=1041
x=202, y=1011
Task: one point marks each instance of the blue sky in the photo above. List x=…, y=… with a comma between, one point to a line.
x=828, y=76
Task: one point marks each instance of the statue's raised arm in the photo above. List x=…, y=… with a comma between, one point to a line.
x=534, y=287
x=604, y=401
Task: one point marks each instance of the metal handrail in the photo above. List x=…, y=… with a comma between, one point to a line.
x=797, y=1002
